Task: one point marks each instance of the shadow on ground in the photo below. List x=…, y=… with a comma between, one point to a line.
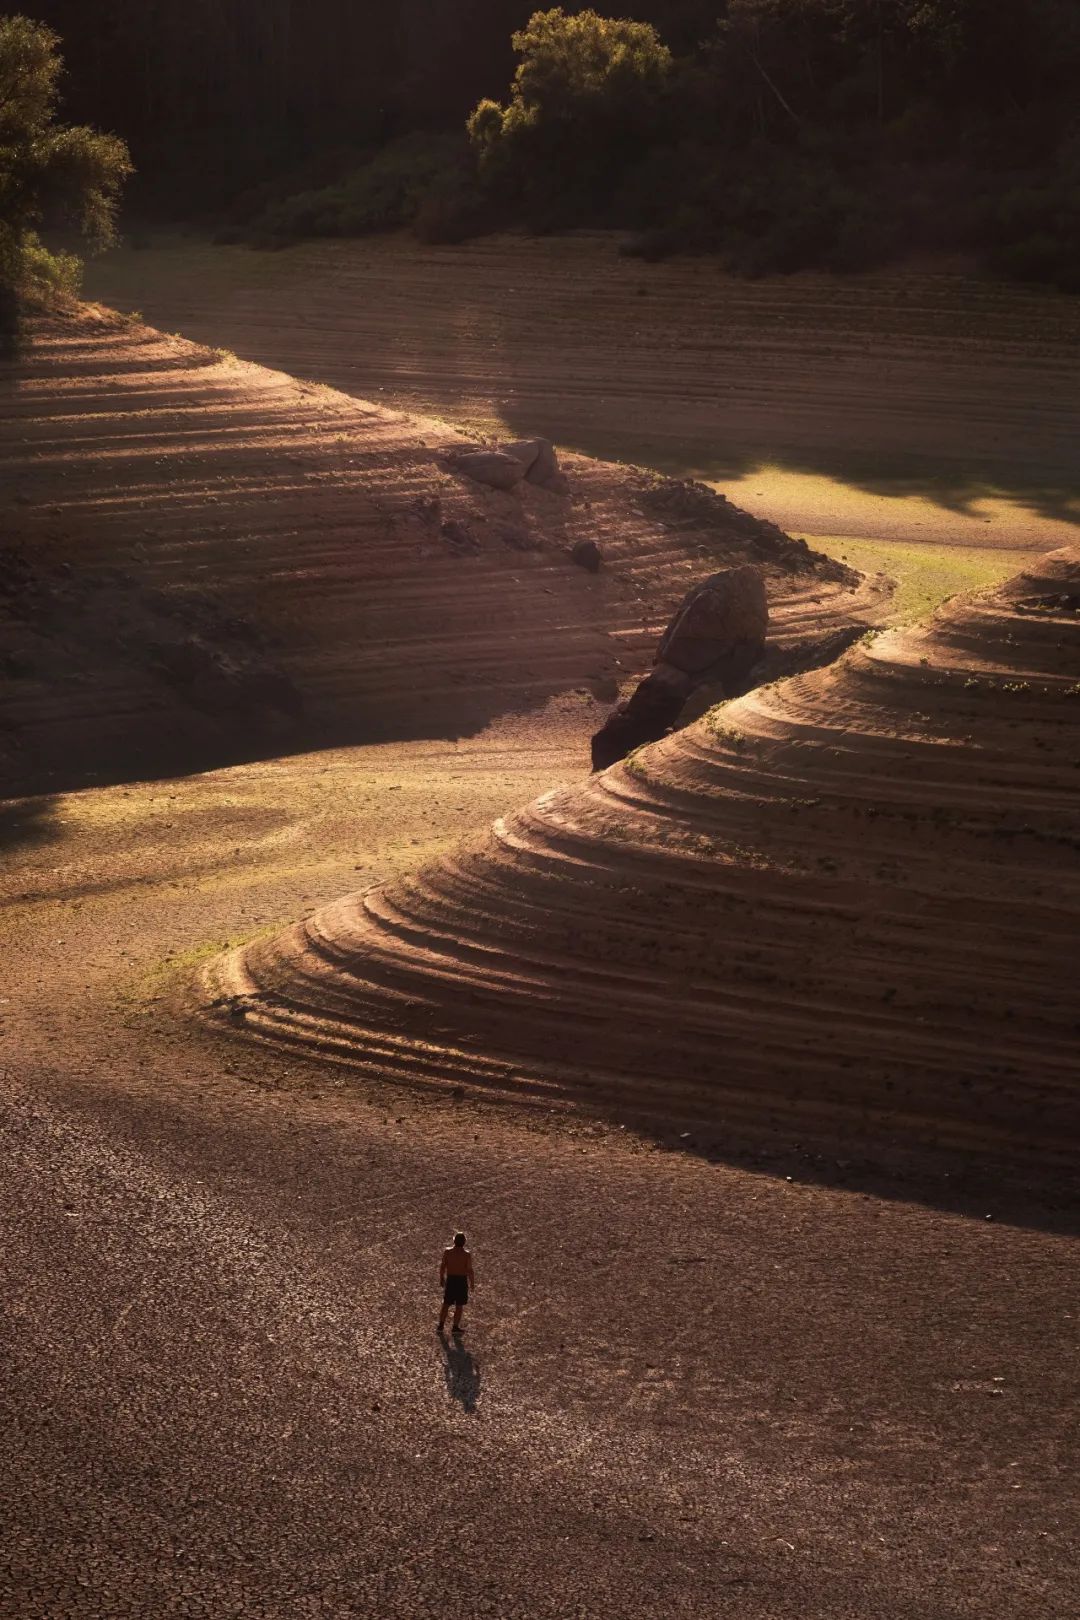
x=26, y=823
x=897, y=383
x=865, y=1163
x=954, y=491
x=462, y=1373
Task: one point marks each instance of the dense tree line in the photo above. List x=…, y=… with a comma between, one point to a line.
x=775, y=132
x=214, y=95
x=805, y=132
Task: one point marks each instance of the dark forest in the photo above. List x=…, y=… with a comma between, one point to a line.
x=777, y=134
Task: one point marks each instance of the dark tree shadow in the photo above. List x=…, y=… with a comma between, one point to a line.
x=1038, y=476
x=26, y=822
x=462, y=1374
x=957, y=490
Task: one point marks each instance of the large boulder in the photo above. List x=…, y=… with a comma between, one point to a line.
x=645, y=717
x=722, y=614
x=716, y=636
x=495, y=468
x=541, y=463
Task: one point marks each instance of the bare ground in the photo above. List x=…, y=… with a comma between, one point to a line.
x=840, y=907
x=691, y=1385
x=736, y=1393
x=203, y=560
x=921, y=406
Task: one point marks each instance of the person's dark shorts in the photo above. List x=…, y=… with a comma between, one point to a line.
x=456, y=1291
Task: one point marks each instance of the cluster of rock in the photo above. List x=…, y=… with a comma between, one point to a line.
x=531, y=461
x=715, y=637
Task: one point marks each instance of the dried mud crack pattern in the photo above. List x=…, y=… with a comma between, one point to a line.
x=845, y=904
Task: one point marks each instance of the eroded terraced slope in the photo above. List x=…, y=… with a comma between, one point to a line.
x=203, y=560
x=845, y=905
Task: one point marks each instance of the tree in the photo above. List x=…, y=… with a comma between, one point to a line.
x=585, y=102
x=48, y=171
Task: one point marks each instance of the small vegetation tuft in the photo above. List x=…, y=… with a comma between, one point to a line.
x=729, y=736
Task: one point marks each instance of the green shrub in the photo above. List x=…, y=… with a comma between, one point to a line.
x=1032, y=232
x=48, y=172
x=48, y=274
x=588, y=98
x=768, y=208
x=789, y=134
x=382, y=194
x=454, y=210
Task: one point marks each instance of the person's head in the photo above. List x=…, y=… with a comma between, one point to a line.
x=459, y=1240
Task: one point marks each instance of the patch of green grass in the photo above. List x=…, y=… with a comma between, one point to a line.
x=635, y=765
x=730, y=736
x=156, y=978
x=926, y=575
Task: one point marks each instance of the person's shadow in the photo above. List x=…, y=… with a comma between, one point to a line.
x=462, y=1374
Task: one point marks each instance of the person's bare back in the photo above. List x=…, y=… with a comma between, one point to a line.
x=456, y=1277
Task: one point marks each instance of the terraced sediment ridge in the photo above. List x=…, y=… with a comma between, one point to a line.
x=203, y=560
x=844, y=906
x=920, y=380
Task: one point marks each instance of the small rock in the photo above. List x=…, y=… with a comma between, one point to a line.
x=540, y=462
x=526, y=451
x=587, y=554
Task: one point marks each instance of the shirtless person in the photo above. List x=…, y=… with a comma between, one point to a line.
x=456, y=1277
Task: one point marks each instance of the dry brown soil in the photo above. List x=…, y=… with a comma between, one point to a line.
x=921, y=407
x=842, y=906
x=205, y=560
x=735, y=1393
x=691, y=1383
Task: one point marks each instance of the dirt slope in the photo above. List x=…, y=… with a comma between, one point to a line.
x=204, y=560
x=845, y=905
x=686, y=1386
x=743, y=1396
x=923, y=380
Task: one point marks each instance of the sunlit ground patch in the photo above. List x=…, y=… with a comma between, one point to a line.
x=898, y=504
x=934, y=544
x=926, y=574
